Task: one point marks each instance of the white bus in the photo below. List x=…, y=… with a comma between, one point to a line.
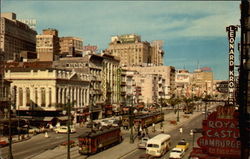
x=158, y=145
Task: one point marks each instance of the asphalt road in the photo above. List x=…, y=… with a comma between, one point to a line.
x=175, y=137
x=38, y=144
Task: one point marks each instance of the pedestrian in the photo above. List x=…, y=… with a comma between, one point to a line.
x=153, y=127
x=181, y=130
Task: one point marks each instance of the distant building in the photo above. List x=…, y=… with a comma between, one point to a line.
x=15, y=37
x=183, y=79
x=167, y=73
x=134, y=52
x=203, y=82
x=47, y=45
x=71, y=46
x=26, y=56
x=157, y=52
x=89, y=49
x=130, y=50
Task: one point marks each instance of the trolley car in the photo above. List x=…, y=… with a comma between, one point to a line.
x=144, y=120
x=96, y=141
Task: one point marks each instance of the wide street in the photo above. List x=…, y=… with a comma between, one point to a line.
x=38, y=144
x=175, y=137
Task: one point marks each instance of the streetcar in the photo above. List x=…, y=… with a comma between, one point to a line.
x=97, y=140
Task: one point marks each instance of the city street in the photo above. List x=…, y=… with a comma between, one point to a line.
x=38, y=144
x=176, y=136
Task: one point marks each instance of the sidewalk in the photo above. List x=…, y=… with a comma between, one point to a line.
x=121, y=150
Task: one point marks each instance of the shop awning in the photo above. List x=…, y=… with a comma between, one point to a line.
x=62, y=118
x=48, y=118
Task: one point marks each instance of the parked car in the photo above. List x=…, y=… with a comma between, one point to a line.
x=176, y=153
x=183, y=145
x=64, y=129
x=105, y=122
x=142, y=144
x=33, y=130
x=115, y=122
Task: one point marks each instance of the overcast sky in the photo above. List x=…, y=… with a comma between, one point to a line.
x=193, y=32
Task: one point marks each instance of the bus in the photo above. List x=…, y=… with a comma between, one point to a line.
x=158, y=145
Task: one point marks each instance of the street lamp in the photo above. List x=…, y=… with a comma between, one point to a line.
x=10, y=133
x=178, y=115
x=68, y=111
x=192, y=134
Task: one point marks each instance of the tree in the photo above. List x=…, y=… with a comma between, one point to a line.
x=189, y=105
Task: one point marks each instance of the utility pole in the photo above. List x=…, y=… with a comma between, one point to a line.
x=10, y=133
x=68, y=125
x=178, y=115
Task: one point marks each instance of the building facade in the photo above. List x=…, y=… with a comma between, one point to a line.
x=202, y=82
x=71, y=46
x=15, y=37
x=157, y=52
x=167, y=73
x=183, y=79
x=47, y=45
x=46, y=91
x=104, y=81
x=130, y=50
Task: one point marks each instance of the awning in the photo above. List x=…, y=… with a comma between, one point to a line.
x=62, y=118
x=48, y=118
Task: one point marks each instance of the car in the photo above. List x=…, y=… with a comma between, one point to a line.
x=105, y=122
x=183, y=145
x=176, y=153
x=64, y=129
x=143, y=142
x=33, y=130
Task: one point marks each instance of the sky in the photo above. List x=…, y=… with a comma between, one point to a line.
x=194, y=32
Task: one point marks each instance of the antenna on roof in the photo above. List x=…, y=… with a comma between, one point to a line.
x=198, y=64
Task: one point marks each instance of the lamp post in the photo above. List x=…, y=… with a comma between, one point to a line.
x=178, y=115
x=192, y=134
x=10, y=133
x=68, y=111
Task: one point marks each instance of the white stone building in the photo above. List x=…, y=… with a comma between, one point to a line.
x=48, y=90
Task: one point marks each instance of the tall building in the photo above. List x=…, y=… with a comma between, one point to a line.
x=130, y=50
x=134, y=52
x=15, y=37
x=183, y=79
x=47, y=45
x=157, y=52
x=167, y=73
x=202, y=83
x=71, y=46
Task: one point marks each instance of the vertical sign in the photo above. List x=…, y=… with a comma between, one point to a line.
x=231, y=38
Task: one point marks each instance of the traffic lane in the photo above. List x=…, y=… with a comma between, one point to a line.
x=175, y=138
x=38, y=144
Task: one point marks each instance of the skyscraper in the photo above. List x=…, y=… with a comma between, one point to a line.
x=15, y=37
x=47, y=45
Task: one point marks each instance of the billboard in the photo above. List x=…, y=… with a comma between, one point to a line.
x=221, y=133
x=231, y=38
